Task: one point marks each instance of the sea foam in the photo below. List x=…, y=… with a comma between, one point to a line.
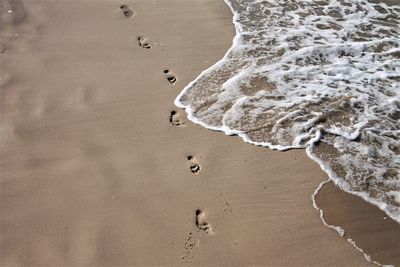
x=319, y=75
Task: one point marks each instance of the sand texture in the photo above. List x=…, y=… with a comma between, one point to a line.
x=99, y=168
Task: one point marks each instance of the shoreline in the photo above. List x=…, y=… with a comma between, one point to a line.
x=231, y=132
x=97, y=169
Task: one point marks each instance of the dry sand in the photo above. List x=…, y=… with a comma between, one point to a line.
x=93, y=172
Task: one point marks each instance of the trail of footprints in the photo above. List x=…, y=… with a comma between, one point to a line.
x=171, y=78
x=194, y=167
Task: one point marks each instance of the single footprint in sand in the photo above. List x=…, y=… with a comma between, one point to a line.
x=126, y=11
x=194, y=165
x=170, y=77
x=201, y=222
x=174, y=119
x=143, y=43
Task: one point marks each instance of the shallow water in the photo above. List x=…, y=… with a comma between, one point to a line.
x=320, y=75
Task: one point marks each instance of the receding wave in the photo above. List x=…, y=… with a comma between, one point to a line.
x=320, y=75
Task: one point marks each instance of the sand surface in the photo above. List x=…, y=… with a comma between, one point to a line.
x=96, y=172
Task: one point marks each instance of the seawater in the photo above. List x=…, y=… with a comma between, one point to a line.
x=319, y=75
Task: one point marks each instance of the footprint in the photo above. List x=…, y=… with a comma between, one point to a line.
x=194, y=166
x=170, y=77
x=143, y=43
x=126, y=11
x=201, y=222
x=174, y=119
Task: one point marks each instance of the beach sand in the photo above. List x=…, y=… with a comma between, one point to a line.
x=99, y=168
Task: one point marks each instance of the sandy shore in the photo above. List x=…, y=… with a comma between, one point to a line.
x=96, y=172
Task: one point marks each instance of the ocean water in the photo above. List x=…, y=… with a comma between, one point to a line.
x=319, y=75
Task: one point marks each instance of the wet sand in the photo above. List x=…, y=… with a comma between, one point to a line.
x=368, y=226
x=99, y=168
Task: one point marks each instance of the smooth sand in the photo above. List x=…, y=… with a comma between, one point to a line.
x=94, y=174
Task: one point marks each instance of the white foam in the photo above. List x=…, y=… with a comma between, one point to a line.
x=366, y=256
x=338, y=229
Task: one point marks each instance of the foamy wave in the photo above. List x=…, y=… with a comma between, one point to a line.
x=320, y=75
